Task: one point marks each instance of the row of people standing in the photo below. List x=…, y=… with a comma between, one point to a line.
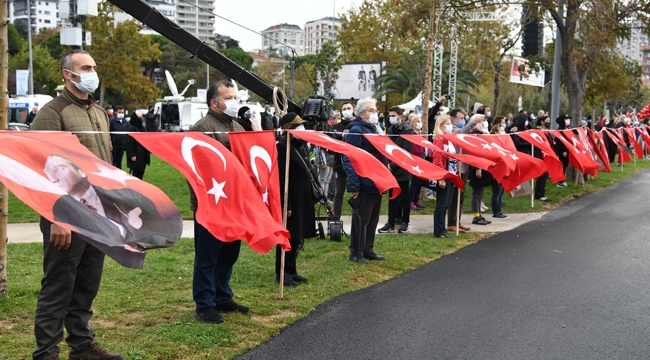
x=137, y=156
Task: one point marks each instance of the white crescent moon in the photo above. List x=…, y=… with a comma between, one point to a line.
x=260, y=152
x=536, y=137
x=461, y=137
x=391, y=148
x=23, y=175
x=186, y=150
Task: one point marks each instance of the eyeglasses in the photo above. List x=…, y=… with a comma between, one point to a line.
x=372, y=111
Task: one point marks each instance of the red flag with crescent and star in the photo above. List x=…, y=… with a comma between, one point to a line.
x=644, y=135
x=485, y=147
x=589, y=142
x=528, y=167
x=624, y=152
x=631, y=134
x=412, y=164
x=257, y=152
x=58, y=177
x=538, y=139
x=229, y=204
x=602, y=146
x=475, y=161
x=363, y=162
x=579, y=156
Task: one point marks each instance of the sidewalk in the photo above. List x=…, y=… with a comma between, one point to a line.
x=30, y=232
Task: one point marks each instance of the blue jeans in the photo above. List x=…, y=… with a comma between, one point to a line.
x=443, y=198
x=213, y=262
x=497, y=198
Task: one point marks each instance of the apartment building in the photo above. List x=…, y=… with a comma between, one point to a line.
x=318, y=32
x=282, y=38
x=44, y=14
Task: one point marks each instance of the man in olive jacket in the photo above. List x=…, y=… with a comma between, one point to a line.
x=213, y=258
x=72, y=268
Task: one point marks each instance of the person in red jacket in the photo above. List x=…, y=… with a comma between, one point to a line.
x=443, y=189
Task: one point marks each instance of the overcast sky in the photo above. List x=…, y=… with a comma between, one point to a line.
x=260, y=14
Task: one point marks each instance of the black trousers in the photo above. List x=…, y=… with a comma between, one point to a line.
x=137, y=173
x=341, y=180
x=400, y=207
x=118, y=154
x=289, y=257
x=70, y=283
x=540, y=186
x=453, y=205
x=364, y=224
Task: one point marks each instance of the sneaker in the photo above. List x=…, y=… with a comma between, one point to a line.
x=388, y=228
x=94, y=351
x=479, y=220
x=403, y=229
x=562, y=184
x=232, y=306
x=288, y=280
x=299, y=279
x=358, y=259
x=419, y=205
x=486, y=220
x=207, y=315
x=413, y=206
x=500, y=216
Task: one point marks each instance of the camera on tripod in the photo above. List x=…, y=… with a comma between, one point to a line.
x=316, y=111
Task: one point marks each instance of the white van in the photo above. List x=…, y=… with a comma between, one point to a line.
x=181, y=115
x=21, y=106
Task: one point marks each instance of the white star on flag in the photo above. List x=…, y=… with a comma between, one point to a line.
x=265, y=196
x=217, y=191
x=417, y=168
x=487, y=146
x=514, y=157
x=113, y=174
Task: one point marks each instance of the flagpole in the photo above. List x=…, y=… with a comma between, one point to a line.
x=532, y=181
x=460, y=164
x=285, y=210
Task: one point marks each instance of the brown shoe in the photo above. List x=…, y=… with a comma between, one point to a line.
x=94, y=352
x=52, y=356
x=463, y=227
x=453, y=229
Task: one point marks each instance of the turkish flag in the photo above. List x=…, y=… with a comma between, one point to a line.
x=413, y=164
x=631, y=134
x=601, y=153
x=603, y=148
x=539, y=139
x=594, y=152
x=624, y=151
x=645, y=136
x=257, y=152
x=579, y=157
x=528, y=167
x=363, y=163
x=229, y=203
x=58, y=177
x=486, y=148
x=475, y=161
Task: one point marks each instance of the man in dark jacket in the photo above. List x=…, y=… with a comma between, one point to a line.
x=563, y=122
x=365, y=198
x=347, y=115
x=522, y=123
x=151, y=119
x=118, y=124
x=267, y=119
x=433, y=113
x=401, y=206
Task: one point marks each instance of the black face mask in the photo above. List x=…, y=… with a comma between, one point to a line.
x=548, y=124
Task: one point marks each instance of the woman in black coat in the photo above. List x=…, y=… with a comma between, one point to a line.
x=137, y=157
x=301, y=221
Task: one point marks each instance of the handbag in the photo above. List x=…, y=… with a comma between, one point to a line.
x=316, y=191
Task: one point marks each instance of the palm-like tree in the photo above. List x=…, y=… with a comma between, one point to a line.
x=407, y=77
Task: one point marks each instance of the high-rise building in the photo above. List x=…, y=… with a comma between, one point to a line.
x=199, y=21
x=317, y=32
x=632, y=48
x=44, y=14
x=282, y=38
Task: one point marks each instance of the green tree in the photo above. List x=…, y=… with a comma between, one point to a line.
x=15, y=41
x=326, y=68
x=241, y=57
x=119, y=50
x=54, y=47
x=47, y=72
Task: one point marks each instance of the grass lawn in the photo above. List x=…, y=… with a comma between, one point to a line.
x=148, y=314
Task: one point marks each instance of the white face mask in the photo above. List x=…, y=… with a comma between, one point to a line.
x=373, y=119
x=418, y=126
x=488, y=114
x=567, y=122
x=448, y=129
x=232, y=107
x=88, y=83
x=300, y=127
x=393, y=120
x=347, y=114
x=119, y=116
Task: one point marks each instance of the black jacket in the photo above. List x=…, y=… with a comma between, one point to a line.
x=340, y=129
x=133, y=148
x=403, y=129
x=432, y=117
x=151, y=121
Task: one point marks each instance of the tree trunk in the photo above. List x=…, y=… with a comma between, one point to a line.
x=576, y=93
x=497, y=79
x=102, y=93
x=4, y=111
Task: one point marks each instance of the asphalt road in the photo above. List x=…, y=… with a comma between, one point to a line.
x=573, y=285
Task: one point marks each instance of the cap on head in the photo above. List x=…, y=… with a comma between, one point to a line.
x=290, y=120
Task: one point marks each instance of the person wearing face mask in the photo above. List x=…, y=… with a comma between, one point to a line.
x=363, y=190
x=118, y=124
x=300, y=207
x=444, y=188
x=414, y=189
x=399, y=208
x=434, y=112
x=498, y=125
x=213, y=258
x=563, y=122
x=244, y=118
x=522, y=123
x=340, y=178
x=72, y=268
x=110, y=113
x=267, y=119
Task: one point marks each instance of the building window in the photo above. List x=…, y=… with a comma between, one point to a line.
x=317, y=27
x=48, y=13
x=266, y=42
x=47, y=21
